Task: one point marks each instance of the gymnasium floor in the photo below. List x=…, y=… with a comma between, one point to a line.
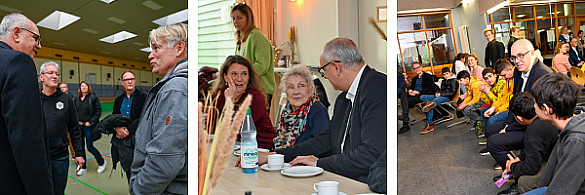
x=445, y=161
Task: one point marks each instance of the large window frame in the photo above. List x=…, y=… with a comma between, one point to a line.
x=428, y=47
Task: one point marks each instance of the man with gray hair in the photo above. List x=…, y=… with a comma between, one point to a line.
x=356, y=135
x=24, y=140
x=160, y=153
x=61, y=118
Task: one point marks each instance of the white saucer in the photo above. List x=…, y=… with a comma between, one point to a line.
x=267, y=168
x=302, y=171
x=239, y=152
x=338, y=193
x=236, y=147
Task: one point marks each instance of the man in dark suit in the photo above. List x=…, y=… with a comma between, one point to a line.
x=24, y=140
x=129, y=103
x=356, y=135
x=494, y=50
x=509, y=135
x=575, y=57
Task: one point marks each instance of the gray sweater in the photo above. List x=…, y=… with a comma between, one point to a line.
x=565, y=171
x=160, y=153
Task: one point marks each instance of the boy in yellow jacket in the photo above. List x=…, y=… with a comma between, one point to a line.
x=471, y=105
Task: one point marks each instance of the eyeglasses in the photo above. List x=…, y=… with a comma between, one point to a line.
x=322, y=72
x=519, y=57
x=36, y=36
x=127, y=80
x=52, y=73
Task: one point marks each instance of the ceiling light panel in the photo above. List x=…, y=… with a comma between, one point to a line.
x=152, y=5
x=138, y=43
x=9, y=9
x=180, y=16
x=146, y=49
x=90, y=31
x=120, y=36
x=58, y=20
x=61, y=44
x=108, y=1
x=116, y=20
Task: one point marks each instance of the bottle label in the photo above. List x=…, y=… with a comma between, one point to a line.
x=249, y=156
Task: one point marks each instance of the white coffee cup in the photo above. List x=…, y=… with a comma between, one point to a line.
x=327, y=188
x=276, y=161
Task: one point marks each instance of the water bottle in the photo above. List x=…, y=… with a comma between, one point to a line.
x=249, y=145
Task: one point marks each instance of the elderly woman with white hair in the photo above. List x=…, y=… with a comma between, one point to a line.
x=304, y=116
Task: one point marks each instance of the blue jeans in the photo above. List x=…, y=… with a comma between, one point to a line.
x=89, y=142
x=438, y=100
x=537, y=191
x=59, y=168
x=500, y=117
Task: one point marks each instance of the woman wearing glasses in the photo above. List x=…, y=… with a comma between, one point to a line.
x=89, y=111
x=238, y=79
x=304, y=116
x=252, y=45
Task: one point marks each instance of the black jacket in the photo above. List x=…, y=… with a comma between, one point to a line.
x=510, y=43
x=363, y=144
x=493, y=52
x=538, y=70
x=123, y=149
x=539, y=141
x=377, y=179
x=575, y=57
x=428, y=84
x=61, y=117
x=24, y=140
x=95, y=111
x=449, y=88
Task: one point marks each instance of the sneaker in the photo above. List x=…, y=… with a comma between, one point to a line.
x=483, y=141
x=484, y=152
x=429, y=106
x=512, y=190
x=429, y=128
x=404, y=129
x=481, y=136
x=102, y=168
x=403, y=118
x=497, y=167
x=81, y=172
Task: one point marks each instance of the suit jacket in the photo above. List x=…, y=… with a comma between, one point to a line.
x=573, y=57
x=538, y=70
x=493, y=52
x=366, y=138
x=428, y=84
x=24, y=139
x=123, y=149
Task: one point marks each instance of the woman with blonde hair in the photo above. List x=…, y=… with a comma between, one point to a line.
x=237, y=79
x=252, y=45
x=474, y=68
x=561, y=60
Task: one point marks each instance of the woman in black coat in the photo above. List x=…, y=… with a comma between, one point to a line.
x=89, y=111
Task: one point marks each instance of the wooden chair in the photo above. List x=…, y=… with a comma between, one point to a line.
x=577, y=76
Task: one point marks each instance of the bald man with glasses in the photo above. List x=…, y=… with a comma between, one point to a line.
x=24, y=140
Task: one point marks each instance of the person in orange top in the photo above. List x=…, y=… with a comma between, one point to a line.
x=499, y=109
x=471, y=105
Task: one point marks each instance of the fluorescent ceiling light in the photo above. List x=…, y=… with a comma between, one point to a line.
x=61, y=44
x=9, y=9
x=520, y=16
x=180, y=16
x=90, y=31
x=497, y=7
x=152, y=5
x=116, y=20
x=120, y=36
x=58, y=20
x=422, y=10
x=539, y=17
x=146, y=49
x=108, y=1
x=138, y=43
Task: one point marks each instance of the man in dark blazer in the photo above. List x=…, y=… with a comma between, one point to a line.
x=494, y=50
x=24, y=140
x=129, y=103
x=356, y=135
x=575, y=57
x=509, y=135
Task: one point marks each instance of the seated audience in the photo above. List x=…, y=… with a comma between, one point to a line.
x=555, y=98
x=470, y=106
x=499, y=108
x=561, y=60
x=575, y=57
x=492, y=91
x=303, y=116
x=422, y=84
x=539, y=140
x=237, y=79
x=448, y=89
x=475, y=69
x=459, y=64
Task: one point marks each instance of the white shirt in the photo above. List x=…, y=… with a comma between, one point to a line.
x=354, y=86
x=525, y=78
x=576, y=52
